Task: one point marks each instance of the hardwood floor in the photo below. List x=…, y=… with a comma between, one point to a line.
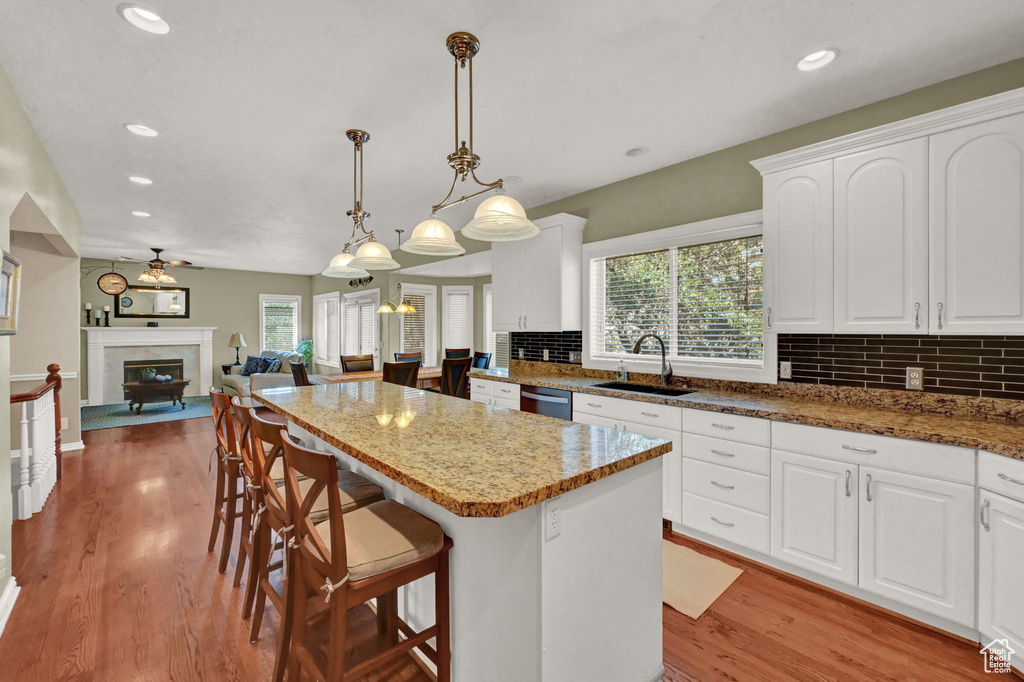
x=117, y=585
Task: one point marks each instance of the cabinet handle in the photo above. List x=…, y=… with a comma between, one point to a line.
x=848, y=482
x=594, y=404
x=723, y=486
x=655, y=415
x=520, y=321
x=856, y=449
x=985, y=506
x=917, y=316
x=723, y=453
x=868, y=487
x=769, y=318
x=940, y=315
x=723, y=523
x=727, y=427
x=525, y=326
x=1011, y=480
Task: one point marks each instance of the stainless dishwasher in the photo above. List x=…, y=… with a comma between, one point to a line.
x=550, y=402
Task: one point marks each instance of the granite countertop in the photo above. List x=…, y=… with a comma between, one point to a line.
x=998, y=436
x=472, y=459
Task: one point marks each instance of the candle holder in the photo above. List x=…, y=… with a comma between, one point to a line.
x=88, y=316
x=106, y=318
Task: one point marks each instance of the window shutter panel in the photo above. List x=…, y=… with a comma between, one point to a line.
x=414, y=326
x=320, y=349
x=280, y=328
x=332, y=341
x=367, y=324
x=351, y=328
x=459, y=333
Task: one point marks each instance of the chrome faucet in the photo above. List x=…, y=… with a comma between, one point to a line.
x=666, y=366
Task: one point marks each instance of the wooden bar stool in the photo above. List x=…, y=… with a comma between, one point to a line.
x=273, y=519
x=242, y=422
x=356, y=363
x=456, y=353
x=225, y=505
x=406, y=357
x=455, y=376
x=403, y=373
x=351, y=558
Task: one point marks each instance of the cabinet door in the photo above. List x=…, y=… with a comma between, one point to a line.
x=595, y=420
x=542, y=281
x=977, y=228
x=506, y=271
x=814, y=514
x=672, y=477
x=798, y=249
x=917, y=542
x=881, y=240
x=1000, y=558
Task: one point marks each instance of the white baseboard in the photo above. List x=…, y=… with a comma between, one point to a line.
x=7, y=599
x=83, y=402
x=68, y=447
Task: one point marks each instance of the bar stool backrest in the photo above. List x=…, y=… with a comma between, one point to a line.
x=481, y=360
x=406, y=357
x=243, y=436
x=224, y=424
x=356, y=363
x=402, y=373
x=299, y=374
x=455, y=377
x=456, y=353
x=265, y=434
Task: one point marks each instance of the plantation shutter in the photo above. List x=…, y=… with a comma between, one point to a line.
x=367, y=328
x=280, y=326
x=490, y=343
x=458, y=320
x=333, y=331
x=351, y=328
x=326, y=331
x=320, y=330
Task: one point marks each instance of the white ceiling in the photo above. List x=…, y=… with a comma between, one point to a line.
x=252, y=98
x=473, y=265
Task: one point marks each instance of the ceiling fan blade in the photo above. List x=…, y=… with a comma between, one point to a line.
x=177, y=262
x=126, y=259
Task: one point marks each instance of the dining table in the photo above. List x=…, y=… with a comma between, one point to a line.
x=429, y=377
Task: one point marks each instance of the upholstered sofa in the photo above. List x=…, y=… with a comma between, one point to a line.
x=237, y=385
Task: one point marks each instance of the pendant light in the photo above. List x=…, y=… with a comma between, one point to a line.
x=402, y=307
x=371, y=254
x=498, y=219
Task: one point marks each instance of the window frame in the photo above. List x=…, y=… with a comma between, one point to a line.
x=736, y=226
x=445, y=330
x=429, y=292
x=326, y=298
x=373, y=296
x=287, y=298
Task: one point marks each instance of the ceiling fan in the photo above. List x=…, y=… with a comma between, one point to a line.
x=157, y=271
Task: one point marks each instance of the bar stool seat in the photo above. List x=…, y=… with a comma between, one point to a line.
x=268, y=415
x=384, y=536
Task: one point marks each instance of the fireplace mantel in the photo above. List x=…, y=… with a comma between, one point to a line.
x=99, y=339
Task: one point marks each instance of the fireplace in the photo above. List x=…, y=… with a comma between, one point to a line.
x=133, y=369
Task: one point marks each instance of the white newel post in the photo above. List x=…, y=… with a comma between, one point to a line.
x=24, y=501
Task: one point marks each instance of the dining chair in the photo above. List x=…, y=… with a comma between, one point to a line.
x=356, y=363
x=481, y=360
x=274, y=521
x=455, y=377
x=299, y=374
x=226, y=497
x=402, y=373
x=408, y=357
x=349, y=559
x=455, y=353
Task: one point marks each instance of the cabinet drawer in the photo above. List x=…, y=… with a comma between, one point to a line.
x=635, y=411
x=512, y=404
x=1001, y=474
x=728, y=426
x=480, y=397
x=504, y=391
x=945, y=462
x=479, y=387
x=745, y=528
x=753, y=458
x=740, y=488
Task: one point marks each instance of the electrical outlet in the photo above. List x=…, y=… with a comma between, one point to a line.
x=521, y=354
x=545, y=355
x=552, y=522
x=785, y=370
x=575, y=356
x=915, y=378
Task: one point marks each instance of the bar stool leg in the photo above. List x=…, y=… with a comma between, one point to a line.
x=294, y=631
x=261, y=560
x=252, y=581
x=244, y=538
x=217, y=504
x=229, y=522
x=441, y=608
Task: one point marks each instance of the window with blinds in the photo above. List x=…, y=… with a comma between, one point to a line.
x=495, y=343
x=327, y=329
x=279, y=322
x=704, y=300
x=359, y=324
x=418, y=329
x=457, y=309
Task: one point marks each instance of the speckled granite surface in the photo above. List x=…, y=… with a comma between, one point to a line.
x=472, y=459
x=993, y=425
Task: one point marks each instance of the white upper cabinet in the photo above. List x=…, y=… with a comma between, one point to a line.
x=881, y=240
x=537, y=282
x=798, y=249
x=977, y=241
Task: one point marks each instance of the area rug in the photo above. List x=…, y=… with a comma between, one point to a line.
x=691, y=582
x=113, y=416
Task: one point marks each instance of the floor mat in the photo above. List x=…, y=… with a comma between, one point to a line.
x=691, y=582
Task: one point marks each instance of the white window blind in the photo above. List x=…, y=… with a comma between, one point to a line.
x=496, y=343
x=418, y=330
x=327, y=329
x=458, y=316
x=280, y=317
x=360, y=329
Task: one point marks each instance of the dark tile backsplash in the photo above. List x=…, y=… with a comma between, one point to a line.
x=986, y=366
x=559, y=344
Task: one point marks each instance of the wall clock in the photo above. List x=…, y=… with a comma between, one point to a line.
x=112, y=283
x=126, y=302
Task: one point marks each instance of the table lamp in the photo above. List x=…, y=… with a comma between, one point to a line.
x=236, y=341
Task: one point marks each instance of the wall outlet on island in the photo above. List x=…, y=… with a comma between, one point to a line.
x=785, y=370
x=552, y=522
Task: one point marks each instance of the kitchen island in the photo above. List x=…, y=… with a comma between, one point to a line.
x=556, y=568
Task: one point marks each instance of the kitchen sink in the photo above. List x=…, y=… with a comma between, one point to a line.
x=652, y=389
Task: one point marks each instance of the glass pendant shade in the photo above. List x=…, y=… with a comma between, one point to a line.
x=500, y=219
x=341, y=266
x=147, y=276
x=387, y=307
x=405, y=307
x=374, y=256
x=175, y=305
x=164, y=278
x=433, y=237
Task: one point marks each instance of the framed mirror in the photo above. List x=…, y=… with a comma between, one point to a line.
x=154, y=302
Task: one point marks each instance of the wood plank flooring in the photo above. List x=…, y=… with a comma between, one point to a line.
x=117, y=585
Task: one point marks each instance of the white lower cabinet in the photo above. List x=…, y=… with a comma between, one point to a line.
x=738, y=526
x=496, y=393
x=1000, y=566
x=917, y=542
x=814, y=514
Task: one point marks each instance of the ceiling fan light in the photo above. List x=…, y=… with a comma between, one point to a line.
x=500, y=219
x=341, y=267
x=374, y=256
x=433, y=237
x=165, y=278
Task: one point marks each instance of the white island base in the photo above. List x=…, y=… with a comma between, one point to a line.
x=581, y=606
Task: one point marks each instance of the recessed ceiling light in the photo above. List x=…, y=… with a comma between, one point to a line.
x=818, y=59
x=139, y=180
x=140, y=214
x=139, y=129
x=637, y=151
x=143, y=18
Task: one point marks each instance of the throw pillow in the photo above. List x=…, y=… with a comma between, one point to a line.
x=253, y=365
x=275, y=366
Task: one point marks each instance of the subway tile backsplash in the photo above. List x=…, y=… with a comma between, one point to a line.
x=558, y=344
x=985, y=366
